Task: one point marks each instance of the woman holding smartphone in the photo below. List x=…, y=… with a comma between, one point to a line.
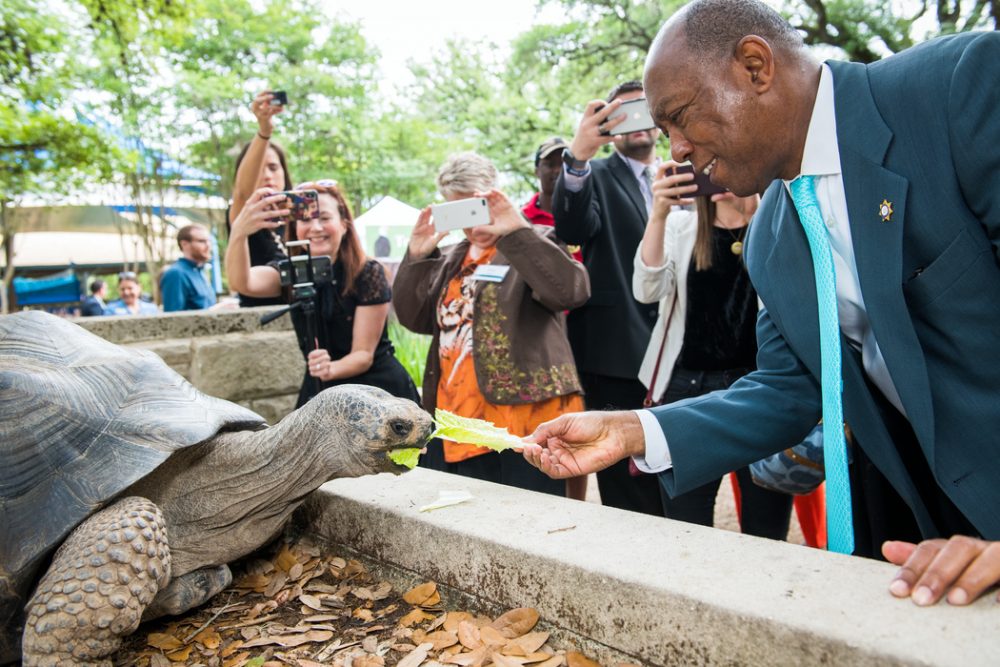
x=351, y=343
x=705, y=338
x=494, y=305
x=261, y=164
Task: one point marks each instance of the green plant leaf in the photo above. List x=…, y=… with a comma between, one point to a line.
x=405, y=457
x=473, y=431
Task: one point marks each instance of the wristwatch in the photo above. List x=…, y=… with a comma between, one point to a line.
x=573, y=166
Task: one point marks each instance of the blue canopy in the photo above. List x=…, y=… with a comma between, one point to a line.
x=62, y=287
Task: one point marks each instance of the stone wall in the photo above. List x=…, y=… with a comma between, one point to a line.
x=227, y=354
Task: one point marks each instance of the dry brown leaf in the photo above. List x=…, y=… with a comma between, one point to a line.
x=525, y=644
x=387, y=610
x=424, y=595
x=554, y=661
x=491, y=636
x=302, y=662
x=453, y=618
x=537, y=656
x=368, y=660
x=320, y=618
x=363, y=593
x=159, y=660
x=209, y=638
x=311, y=601
x=296, y=639
x=414, y=617
x=230, y=649
x=164, y=642
x=402, y=647
x=415, y=657
x=442, y=639
x=338, y=563
x=576, y=659
x=418, y=636
x=365, y=615
x=285, y=559
x=369, y=644
x=516, y=622
x=470, y=659
x=181, y=655
x=501, y=660
x=237, y=659
x=295, y=571
x=277, y=582
x=468, y=634
x=257, y=582
x=382, y=591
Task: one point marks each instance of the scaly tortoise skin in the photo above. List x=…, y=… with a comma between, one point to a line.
x=145, y=488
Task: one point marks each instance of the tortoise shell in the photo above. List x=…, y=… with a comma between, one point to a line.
x=81, y=419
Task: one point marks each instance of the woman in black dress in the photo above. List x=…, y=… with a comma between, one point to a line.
x=351, y=343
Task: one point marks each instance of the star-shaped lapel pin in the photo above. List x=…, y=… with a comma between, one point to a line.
x=885, y=210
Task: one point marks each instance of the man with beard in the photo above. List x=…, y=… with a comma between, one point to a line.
x=602, y=205
x=184, y=286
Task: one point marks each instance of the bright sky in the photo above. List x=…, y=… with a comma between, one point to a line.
x=413, y=29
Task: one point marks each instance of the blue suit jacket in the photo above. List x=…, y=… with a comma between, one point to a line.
x=922, y=130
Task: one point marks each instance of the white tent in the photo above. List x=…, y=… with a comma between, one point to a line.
x=392, y=220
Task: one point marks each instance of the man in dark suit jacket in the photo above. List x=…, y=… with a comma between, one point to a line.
x=94, y=304
x=602, y=206
x=906, y=153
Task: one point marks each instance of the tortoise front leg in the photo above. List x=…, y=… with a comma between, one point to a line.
x=100, y=581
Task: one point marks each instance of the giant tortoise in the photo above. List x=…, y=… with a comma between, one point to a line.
x=124, y=491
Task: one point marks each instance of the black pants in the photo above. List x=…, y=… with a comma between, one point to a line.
x=763, y=513
x=618, y=488
x=506, y=467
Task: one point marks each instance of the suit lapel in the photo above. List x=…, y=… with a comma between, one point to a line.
x=878, y=243
x=622, y=173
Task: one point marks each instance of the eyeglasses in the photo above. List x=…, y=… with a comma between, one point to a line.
x=325, y=183
x=126, y=275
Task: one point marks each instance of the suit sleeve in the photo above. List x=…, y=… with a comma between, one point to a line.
x=974, y=131
x=764, y=412
x=577, y=214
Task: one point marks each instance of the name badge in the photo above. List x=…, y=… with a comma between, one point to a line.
x=490, y=273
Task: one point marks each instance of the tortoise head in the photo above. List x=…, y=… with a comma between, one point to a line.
x=367, y=423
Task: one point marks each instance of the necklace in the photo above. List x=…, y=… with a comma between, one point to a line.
x=736, y=247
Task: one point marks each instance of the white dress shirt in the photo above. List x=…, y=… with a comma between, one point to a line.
x=820, y=158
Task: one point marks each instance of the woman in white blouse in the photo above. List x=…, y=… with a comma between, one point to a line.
x=704, y=340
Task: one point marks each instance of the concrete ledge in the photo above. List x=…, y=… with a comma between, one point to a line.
x=662, y=592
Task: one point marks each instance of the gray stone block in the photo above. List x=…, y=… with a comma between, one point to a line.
x=239, y=367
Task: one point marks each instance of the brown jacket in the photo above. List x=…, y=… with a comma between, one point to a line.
x=519, y=345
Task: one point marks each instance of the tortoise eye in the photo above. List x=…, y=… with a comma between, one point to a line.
x=401, y=427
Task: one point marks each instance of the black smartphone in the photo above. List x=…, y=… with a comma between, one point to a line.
x=303, y=204
x=706, y=188
x=279, y=98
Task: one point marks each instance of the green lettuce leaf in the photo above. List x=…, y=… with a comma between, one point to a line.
x=473, y=431
x=405, y=457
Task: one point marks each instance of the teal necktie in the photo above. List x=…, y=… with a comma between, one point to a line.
x=839, y=522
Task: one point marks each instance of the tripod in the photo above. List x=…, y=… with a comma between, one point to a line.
x=303, y=297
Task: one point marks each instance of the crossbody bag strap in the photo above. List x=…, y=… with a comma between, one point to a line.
x=648, y=401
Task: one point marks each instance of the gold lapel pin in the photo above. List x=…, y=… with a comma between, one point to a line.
x=885, y=210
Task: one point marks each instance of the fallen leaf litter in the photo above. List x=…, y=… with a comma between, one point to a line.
x=304, y=608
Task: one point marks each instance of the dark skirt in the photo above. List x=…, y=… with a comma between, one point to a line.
x=385, y=373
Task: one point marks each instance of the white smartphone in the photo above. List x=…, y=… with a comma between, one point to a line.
x=637, y=118
x=460, y=214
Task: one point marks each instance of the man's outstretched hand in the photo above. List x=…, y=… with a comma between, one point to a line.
x=584, y=442
x=959, y=569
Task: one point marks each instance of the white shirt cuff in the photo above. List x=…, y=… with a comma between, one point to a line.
x=657, y=456
x=572, y=182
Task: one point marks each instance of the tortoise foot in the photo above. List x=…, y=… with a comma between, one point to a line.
x=101, y=579
x=189, y=591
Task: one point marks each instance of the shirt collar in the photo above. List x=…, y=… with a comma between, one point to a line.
x=636, y=166
x=821, y=155
x=189, y=262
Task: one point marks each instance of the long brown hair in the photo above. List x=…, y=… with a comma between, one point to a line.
x=351, y=253
x=281, y=158
x=704, y=243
